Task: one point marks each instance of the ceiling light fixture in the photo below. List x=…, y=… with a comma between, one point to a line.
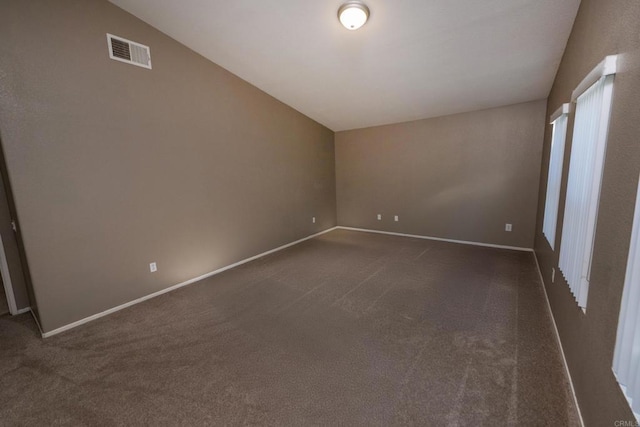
x=353, y=15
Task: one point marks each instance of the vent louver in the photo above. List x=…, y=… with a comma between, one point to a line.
x=128, y=51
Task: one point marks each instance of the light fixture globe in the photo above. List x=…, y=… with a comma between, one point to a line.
x=353, y=15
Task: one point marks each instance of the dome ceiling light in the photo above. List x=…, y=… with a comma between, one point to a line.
x=353, y=15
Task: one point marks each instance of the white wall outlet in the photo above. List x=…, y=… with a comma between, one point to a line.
x=153, y=267
x=395, y=218
x=313, y=219
x=508, y=227
x=379, y=217
x=553, y=275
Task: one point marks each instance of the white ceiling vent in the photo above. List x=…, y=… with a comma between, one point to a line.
x=127, y=51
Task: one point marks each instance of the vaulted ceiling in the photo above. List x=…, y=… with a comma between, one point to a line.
x=414, y=59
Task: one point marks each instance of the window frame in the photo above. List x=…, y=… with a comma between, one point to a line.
x=582, y=198
x=625, y=362
x=559, y=122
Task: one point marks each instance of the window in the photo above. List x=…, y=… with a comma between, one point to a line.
x=626, y=359
x=593, y=105
x=559, y=122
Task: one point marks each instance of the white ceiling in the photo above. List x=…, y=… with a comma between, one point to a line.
x=414, y=59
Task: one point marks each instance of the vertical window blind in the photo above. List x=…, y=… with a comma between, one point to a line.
x=626, y=359
x=591, y=126
x=554, y=176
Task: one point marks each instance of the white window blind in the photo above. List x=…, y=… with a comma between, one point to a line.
x=591, y=126
x=554, y=177
x=626, y=359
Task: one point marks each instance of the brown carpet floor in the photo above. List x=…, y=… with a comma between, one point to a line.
x=348, y=328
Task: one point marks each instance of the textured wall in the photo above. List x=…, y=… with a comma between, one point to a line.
x=457, y=177
x=601, y=28
x=114, y=166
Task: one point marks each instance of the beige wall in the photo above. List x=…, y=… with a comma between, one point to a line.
x=114, y=166
x=601, y=28
x=457, y=177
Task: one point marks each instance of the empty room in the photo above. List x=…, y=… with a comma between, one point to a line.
x=331, y=212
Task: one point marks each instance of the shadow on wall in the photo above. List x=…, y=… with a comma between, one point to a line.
x=14, y=263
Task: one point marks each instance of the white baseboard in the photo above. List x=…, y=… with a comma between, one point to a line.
x=555, y=328
x=22, y=311
x=35, y=318
x=172, y=288
x=244, y=261
x=416, y=236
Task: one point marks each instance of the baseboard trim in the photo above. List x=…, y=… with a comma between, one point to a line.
x=35, y=318
x=439, y=239
x=174, y=287
x=22, y=311
x=555, y=328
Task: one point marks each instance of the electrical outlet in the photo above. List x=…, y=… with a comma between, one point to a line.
x=379, y=217
x=153, y=267
x=313, y=219
x=553, y=275
x=395, y=218
x=508, y=227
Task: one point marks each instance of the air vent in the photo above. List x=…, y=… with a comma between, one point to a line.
x=127, y=51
